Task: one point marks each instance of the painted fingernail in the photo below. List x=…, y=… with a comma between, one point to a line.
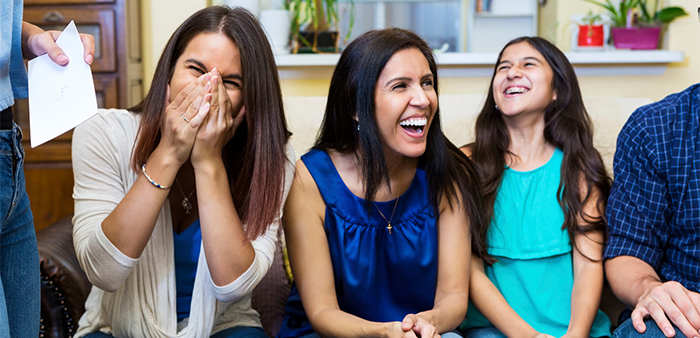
x=89, y=59
x=207, y=86
x=215, y=80
x=62, y=59
x=668, y=332
x=206, y=106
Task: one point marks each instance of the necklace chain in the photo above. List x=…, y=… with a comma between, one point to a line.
x=388, y=221
x=186, y=201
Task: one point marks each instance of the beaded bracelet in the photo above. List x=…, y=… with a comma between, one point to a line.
x=143, y=168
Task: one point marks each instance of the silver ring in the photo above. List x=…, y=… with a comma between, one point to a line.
x=185, y=118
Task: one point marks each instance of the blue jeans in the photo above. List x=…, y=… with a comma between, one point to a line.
x=232, y=332
x=483, y=332
x=20, y=292
x=453, y=334
x=626, y=329
x=488, y=332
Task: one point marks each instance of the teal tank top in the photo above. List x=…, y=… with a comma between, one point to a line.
x=534, y=272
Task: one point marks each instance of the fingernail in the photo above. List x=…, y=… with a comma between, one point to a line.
x=207, y=86
x=62, y=59
x=206, y=106
x=214, y=71
x=668, y=332
x=88, y=59
x=640, y=328
x=215, y=80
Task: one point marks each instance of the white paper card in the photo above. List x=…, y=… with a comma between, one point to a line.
x=60, y=98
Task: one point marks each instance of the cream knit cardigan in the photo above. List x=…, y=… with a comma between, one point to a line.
x=137, y=297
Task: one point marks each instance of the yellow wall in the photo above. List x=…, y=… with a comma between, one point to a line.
x=160, y=18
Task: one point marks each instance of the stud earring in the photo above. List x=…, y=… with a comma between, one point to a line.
x=495, y=105
x=358, y=127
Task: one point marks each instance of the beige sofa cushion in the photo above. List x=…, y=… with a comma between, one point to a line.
x=609, y=114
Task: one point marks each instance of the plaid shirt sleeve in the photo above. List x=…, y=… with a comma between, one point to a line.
x=638, y=207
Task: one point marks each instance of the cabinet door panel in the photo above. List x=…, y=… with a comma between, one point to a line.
x=98, y=23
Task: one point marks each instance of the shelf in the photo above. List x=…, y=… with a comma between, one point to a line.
x=502, y=15
x=587, y=63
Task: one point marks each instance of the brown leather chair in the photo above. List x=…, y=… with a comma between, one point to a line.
x=64, y=286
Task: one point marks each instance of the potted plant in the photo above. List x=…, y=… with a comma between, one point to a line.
x=315, y=25
x=590, y=32
x=633, y=25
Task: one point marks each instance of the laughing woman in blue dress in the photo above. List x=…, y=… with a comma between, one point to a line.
x=383, y=214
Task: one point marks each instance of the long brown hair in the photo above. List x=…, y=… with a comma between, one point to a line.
x=567, y=126
x=352, y=93
x=255, y=157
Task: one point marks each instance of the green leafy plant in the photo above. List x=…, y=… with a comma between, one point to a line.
x=619, y=14
x=316, y=16
x=591, y=19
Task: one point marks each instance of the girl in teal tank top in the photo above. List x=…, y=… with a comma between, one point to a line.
x=546, y=190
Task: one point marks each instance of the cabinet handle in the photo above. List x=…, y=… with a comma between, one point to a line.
x=54, y=16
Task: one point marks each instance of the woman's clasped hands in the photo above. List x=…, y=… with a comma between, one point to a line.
x=412, y=326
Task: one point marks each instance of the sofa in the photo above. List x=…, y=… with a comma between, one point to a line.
x=64, y=286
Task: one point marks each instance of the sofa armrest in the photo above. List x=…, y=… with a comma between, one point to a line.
x=64, y=285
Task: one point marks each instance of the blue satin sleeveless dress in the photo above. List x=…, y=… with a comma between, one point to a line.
x=379, y=276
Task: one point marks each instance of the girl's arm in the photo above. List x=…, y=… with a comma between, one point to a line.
x=311, y=264
x=491, y=303
x=454, y=253
x=588, y=274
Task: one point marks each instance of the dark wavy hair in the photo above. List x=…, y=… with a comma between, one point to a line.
x=352, y=95
x=255, y=157
x=567, y=127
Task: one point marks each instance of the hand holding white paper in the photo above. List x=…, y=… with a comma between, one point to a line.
x=60, y=98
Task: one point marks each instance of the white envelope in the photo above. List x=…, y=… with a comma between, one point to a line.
x=60, y=98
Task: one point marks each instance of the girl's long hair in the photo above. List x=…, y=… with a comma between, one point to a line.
x=255, y=157
x=567, y=127
x=352, y=95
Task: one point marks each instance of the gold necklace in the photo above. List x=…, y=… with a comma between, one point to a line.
x=186, y=201
x=388, y=221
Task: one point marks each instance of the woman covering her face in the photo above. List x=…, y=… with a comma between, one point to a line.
x=546, y=191
x=382, y=213
x=177, y=200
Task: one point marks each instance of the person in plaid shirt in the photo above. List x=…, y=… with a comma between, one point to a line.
x=653, y=250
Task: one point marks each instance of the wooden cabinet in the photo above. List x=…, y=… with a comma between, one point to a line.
x=117, y=74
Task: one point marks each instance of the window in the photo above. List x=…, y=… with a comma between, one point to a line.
x=439, y=22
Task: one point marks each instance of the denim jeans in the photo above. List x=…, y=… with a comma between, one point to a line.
x=453, y=334
x=626, y=329
x=491, y=332
x=19, y=259
x=232, y=332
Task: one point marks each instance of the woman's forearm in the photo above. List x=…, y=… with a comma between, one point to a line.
x=448, y=313
x=130, y=225
x=229, y=252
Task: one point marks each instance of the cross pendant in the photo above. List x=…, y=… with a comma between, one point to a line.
x=187, y=205
x=389, y=227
